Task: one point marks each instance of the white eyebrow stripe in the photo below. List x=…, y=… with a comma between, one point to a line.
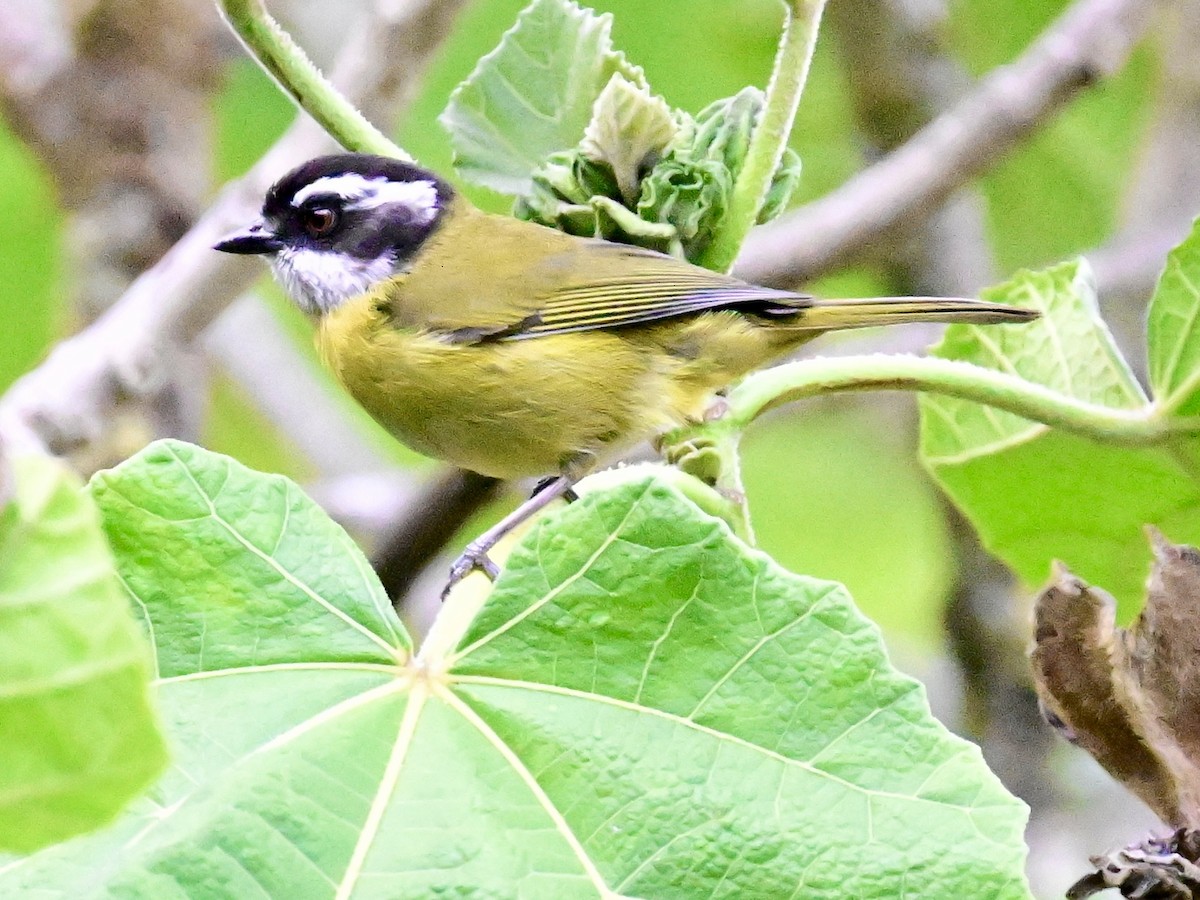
x=358, y=192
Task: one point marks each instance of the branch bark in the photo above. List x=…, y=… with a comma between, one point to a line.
x=116, y=103
x=432, y=518
x=1090, y=41
x=125, y=353
x=1163, y=195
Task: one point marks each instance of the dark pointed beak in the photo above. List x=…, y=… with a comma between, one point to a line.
x=255, y=239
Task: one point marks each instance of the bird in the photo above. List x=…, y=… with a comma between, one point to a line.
x=513, y=349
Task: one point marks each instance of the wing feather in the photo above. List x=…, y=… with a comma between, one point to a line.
x=629, y=286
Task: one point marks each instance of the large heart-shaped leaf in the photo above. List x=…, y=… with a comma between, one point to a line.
x=642, y=707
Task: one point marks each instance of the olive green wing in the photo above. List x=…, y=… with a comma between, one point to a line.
x=613, y=285
x=495, y=278
x=591, y=285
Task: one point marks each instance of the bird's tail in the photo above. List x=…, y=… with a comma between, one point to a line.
x=829, y=315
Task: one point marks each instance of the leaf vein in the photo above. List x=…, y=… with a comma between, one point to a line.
x=691, y=724
x=522, y=772
x=281, y=571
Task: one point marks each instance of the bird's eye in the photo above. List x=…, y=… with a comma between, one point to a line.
x=319, y=221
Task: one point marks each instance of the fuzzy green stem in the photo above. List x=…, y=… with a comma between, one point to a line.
x=291, y=68
x=732, y=491
x=716, y=501
x=807, y=378
x=770, y=137
x=699, y=490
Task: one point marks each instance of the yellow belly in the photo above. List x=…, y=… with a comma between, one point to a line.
x=544, y=405
x=507, y=409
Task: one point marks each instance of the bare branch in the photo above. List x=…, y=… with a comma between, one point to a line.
x=254, y=348
x=434, y=517
x=125, y=352
x=1127, y=266
x=1164, y=187
x=66, y=400
x=901, y=75
x=1164, y=193
x=1091, y=40
x=115, y=102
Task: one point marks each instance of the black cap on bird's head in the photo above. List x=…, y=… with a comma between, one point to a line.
x=338, y=225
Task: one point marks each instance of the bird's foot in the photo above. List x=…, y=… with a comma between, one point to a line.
x=473, y=559
x=568, y=496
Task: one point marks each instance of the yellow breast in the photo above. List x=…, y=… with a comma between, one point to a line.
x=508, y=409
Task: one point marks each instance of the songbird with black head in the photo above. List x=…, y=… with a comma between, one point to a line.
x=515, y=350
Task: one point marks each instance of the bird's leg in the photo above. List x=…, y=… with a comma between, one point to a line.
x=475, y=556
x=568, y=495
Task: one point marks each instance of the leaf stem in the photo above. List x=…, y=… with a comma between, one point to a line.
x=726, y=499
x=291, y=68
x=767, y=144
x=770, y=388
x=714, y=500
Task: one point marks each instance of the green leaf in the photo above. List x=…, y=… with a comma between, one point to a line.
x=642, y=707
x=629, y=130
x=653, y=627
x=32, y=259
x=692, y=185
x=216, y=554
x=78, y=736
x=533, y=95
x=1036, y=494
x=1173, y=330
x=1068, y=349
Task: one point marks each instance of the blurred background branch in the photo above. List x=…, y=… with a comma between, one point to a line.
x=1163, y=196
x=131, y=350
x=115, y=93
x=1091, y=40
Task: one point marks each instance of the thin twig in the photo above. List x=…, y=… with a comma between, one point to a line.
x=790, y=382
x=432, y=519
x=901, y=74
x=1091, y=40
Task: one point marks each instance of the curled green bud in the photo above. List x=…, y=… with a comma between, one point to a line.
x=690, y=188
x=724, y=127
x=580, y=196
x=601, y=188
x=688, y=194
x=562, y=190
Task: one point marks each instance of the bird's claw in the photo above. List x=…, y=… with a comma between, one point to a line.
x=472, y=559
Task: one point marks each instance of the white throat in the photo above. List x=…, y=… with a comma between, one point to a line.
x=322, y=280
